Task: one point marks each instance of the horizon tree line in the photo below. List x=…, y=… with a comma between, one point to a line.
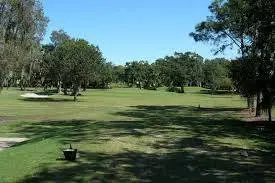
x=71, y=63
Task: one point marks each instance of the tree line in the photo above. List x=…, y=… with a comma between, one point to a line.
x=176, y=72
x=70, y=63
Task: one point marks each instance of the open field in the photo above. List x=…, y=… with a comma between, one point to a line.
x=131, y=135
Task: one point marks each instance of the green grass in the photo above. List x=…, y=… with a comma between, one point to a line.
x=131, y=135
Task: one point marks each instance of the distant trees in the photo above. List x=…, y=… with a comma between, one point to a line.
x=176, y=72
x=142, y=74
x=181, y=69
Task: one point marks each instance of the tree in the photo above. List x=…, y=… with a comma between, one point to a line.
x=134, y=73
x=78, y=59
x=142, y=74
x=216, y=75
x=173, y=71
x=225, y=27
x=194, y=64
x=118, y=74
x=243, y=75
x=106, y=75
x=58, y=37
x=22, y=26
x=242, y=23
x=49, y=71
x=151, y=79
x=180, y=69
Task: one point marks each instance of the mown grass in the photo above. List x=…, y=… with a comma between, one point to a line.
x=131, y=135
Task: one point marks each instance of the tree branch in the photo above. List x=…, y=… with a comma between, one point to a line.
x=236, y=42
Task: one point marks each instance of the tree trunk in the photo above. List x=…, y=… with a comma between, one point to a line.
x=22, y=87
x=258, y=107
x=22, y=79
x=75, y=95
x=59, y=85
x=182, y=89
x=270, y=114
x=7, y=84
x=248, y=103
x=1, y=86
x=75, y=92
x=251, y=104
x=139, y=85
x=65, y=90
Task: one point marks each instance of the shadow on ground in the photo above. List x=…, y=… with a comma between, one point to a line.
x=218, y=92
x=46, y=99
x=185, y=148
x=47, y=92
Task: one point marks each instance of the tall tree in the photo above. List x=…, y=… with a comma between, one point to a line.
x=78, y=59
x=22, y=26
x=242, y=23
x=57, y=38
x=194, y=64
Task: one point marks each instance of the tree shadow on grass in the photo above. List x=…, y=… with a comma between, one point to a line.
x=26, y=89
x=177, y=166
x=47, y=100
x=185, y=148
x=218, y=92
x=47, y=92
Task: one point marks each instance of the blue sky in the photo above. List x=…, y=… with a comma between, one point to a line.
x=127, y=30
